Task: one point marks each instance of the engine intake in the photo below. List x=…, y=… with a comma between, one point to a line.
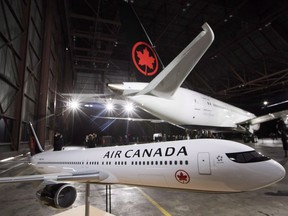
x=57, y=195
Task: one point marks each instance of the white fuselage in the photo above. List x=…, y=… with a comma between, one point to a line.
x=188, y=108
x=188, y=164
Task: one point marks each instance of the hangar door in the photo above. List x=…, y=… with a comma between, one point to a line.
x=204, y=163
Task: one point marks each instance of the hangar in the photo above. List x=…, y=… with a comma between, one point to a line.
x=52, y=47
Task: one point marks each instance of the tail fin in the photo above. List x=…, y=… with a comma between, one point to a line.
x=34, y=144
x=172, y=77
x=140, y=46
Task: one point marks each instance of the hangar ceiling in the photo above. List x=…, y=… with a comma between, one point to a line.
x=248, y=59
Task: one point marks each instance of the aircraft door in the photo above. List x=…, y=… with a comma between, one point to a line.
x=204, y=163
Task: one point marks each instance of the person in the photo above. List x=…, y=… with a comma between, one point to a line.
x=58, y=142
x=90, y=141
x=95, y=139
x=284, y=141
x=282, y=129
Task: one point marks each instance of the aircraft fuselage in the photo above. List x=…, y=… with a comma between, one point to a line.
x=203, y=164
x=187, y=107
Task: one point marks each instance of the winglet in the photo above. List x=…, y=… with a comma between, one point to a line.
x=171, y=77
x=34, y=147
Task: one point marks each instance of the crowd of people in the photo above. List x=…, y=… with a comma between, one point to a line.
x=91, y=140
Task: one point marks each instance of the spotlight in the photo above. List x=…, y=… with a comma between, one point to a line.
x=73, y=104
x=129, y=107
x=110, y=107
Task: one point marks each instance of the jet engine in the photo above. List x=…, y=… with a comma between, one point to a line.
x=59, y=195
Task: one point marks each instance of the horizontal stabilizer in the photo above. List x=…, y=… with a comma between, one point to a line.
x=171, y=78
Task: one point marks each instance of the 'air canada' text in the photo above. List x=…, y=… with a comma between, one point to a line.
x=160, y=152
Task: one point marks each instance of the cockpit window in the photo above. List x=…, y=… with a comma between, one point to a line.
x=247, y=157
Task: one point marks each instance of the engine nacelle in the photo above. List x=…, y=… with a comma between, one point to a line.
x=59, y=195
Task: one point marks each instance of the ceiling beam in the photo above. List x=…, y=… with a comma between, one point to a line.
x=93, y=19
x=96, y=36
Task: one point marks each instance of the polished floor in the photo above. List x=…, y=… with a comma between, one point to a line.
x=19, y=198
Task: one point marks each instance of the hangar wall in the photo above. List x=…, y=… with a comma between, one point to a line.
x=33, y=60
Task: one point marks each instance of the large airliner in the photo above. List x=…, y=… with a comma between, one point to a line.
x=165, y=99
x=200, y=164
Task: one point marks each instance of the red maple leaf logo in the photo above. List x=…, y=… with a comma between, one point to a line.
x=182, y=177
x=145, y=59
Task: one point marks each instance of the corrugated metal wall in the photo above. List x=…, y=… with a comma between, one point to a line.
x=32, y=61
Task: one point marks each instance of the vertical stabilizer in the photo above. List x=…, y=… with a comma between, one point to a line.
x=34, y=144
x=171, y=78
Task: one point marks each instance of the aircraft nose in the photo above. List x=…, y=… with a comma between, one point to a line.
x=262, y=174
x=277, y=172
x=274, y=172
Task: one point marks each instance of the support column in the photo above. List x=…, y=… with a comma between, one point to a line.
x=44, y=77
x=17, y=125
x=87, y=201
x=108, y=198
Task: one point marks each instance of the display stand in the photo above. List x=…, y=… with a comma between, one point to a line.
x=108, y=198
x=88, y=210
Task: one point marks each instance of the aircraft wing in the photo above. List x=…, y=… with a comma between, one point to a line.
x=86, y=176
x=132, y=119
x=155, y=121
x=265, y=118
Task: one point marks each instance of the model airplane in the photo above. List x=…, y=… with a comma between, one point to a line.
x=203, y=164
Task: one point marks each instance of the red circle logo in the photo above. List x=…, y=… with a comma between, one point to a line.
x=144, y=58
x=182, y=176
